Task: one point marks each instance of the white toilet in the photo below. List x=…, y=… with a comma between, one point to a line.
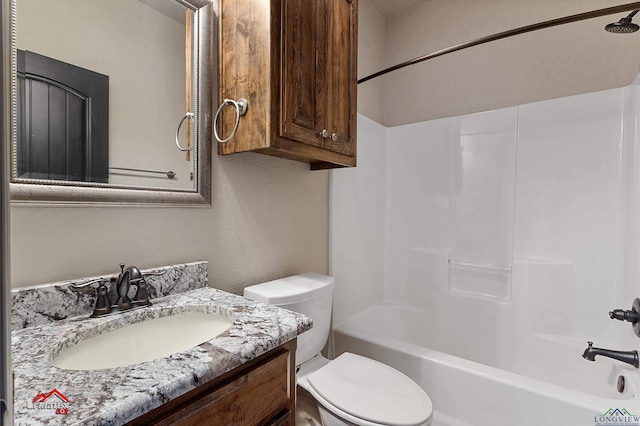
x=351, y=389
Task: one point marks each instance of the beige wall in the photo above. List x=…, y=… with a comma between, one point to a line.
x=371, y=29
x=561, y=61
x=269, y=219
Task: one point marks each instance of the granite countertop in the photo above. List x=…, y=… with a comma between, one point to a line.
x=117, y=395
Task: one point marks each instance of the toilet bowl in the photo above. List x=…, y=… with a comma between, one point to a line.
x=351, y=389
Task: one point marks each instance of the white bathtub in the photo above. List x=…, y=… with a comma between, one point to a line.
x=468, y=392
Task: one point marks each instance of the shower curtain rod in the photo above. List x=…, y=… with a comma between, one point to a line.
x=509, y=33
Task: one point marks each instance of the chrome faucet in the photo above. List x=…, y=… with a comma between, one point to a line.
x=127, y=277
x=630, y=357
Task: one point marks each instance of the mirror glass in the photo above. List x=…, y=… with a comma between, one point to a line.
x=105, y=90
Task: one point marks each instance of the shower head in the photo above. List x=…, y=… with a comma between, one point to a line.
x=624, y=25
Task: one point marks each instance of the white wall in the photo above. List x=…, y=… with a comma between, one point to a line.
x=357, y=216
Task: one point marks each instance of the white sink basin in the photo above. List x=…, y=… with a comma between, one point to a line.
x=143, y=341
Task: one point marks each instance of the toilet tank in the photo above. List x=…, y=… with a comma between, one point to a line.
x=309, y=294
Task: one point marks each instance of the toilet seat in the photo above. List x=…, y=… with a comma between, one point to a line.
x=367, y=392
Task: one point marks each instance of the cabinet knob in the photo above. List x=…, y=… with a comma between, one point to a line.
x=334, y=136
x=325, y=133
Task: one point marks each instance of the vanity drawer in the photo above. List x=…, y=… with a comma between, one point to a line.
x=260, y=394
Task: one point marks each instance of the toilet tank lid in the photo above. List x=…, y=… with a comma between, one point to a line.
x=294, y=289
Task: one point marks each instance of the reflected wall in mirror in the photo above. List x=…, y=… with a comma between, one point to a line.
x=101, y=88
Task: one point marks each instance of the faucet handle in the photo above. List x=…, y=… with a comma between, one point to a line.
x=103, y=304
x=142, y=293
x=632, y=316
x=88, y=283
x=154, y=274
x=622, y=315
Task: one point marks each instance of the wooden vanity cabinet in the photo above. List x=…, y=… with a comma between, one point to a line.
x=260, y=392
x=295, y=61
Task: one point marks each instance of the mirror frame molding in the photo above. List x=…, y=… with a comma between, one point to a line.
x=59, y=192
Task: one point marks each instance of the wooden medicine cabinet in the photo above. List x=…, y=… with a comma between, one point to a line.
x=295, y=61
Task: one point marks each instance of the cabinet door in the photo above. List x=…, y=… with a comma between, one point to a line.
x=303, y=93
x=342, y=54
x=261, y=396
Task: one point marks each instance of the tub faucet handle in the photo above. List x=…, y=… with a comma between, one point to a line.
x=632, y=315
x=622, y=315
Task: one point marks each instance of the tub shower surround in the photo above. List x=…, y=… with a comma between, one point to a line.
x=55, y=301
x=115, y=396
x=523, y=222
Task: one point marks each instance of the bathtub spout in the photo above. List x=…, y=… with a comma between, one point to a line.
x=630, y=357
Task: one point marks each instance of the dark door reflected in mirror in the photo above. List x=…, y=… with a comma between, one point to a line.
x=63, y=121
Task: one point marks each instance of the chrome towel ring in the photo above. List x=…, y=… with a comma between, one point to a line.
x=241, y=108
x=191, y=117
